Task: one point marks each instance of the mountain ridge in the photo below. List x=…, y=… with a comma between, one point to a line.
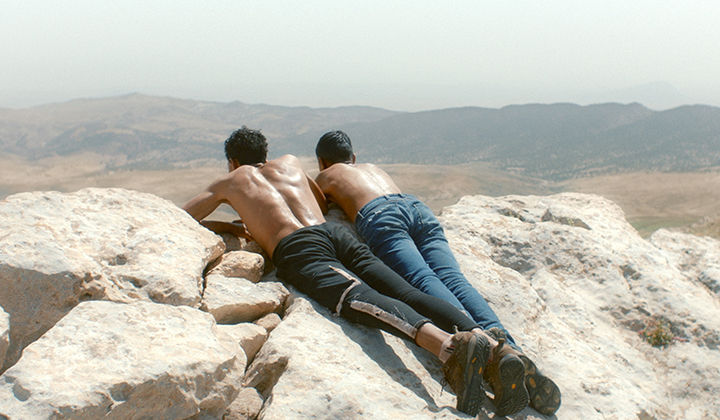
x=548, y=141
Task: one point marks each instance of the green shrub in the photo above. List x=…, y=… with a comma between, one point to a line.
x=658, y=332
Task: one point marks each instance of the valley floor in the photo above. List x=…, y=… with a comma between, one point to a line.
x=688, y=201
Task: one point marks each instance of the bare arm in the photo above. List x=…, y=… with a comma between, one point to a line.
x=236, y=228
x=206, y=202
x=200, y=206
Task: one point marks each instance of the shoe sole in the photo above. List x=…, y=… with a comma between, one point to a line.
x=544, y=393
x=474, y=395
x=514, y=396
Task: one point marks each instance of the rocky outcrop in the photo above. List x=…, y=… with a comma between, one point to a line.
x=696, y=257
x=315, y=365
x=95, y=244
x=627, y=327
x=125, y=361
x=587, y=301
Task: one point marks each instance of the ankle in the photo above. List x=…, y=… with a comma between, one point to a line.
x=446, y=349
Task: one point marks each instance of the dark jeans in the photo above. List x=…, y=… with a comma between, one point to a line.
x=327, y=263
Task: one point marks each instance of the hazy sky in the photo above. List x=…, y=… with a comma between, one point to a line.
x=401, y=55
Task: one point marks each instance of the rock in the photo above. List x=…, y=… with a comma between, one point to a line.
x=249, y=336
x=578, y=289
x=269, y=322
x=60, y=249
x=628, y=328
x=122, y=361
x=235, y=300
x=697, y=257
x=315, y=365
x=243, y=264
x=253, y=247
x=232, y=242
x=4, y=332
x=246, y=406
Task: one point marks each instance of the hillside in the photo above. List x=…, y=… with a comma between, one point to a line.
x=557, y=142
x=552, y=142
x=150, y=132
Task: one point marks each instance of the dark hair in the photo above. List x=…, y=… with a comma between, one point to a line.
x=247, y=146
x=334, y=147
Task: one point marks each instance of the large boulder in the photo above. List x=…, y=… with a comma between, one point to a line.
x=61, y=249
x=315, y=365
x=586, y=297
x=125, y=361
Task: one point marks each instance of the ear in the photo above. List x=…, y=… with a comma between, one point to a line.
x=353, y=158
x=233, y=164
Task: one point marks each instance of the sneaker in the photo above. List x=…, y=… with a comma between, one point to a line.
x=544, y=395
x=506, y=374
x=464, y=371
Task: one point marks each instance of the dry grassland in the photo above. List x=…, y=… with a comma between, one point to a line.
x=650, y=200
x=654, y=200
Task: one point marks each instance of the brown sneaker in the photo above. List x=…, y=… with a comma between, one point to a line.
x=544, y=395
x=506, y=374
x=464, y=371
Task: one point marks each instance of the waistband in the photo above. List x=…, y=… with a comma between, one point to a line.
x=383, y=199
x=324, y=229
x=280, y=247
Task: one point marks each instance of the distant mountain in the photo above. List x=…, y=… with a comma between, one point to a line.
x=152, y=131
x=557, y=141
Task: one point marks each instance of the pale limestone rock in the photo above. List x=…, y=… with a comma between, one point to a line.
x=123, y=361
x=698, y=257
x=232, y=242
x=570, y=279
x=4, y=332
x=315, y=365
x=253, y=247
x=235, y=300
x=243, y=264
x=113, y=244
x=249, y=336
x=269, y=321
x=574, y=283
x=246, y=406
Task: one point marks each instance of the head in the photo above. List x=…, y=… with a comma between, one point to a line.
x=334, y=147
x=246, y=147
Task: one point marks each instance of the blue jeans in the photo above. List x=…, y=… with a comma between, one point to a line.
x=407, y=236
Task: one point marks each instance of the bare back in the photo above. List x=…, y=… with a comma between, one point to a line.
x=273, y=200
x=351, y=186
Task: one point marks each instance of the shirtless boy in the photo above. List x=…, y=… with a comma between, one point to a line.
x=407, y=236
x=280, y=208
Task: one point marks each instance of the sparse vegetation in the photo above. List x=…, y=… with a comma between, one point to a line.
x=658, y=332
